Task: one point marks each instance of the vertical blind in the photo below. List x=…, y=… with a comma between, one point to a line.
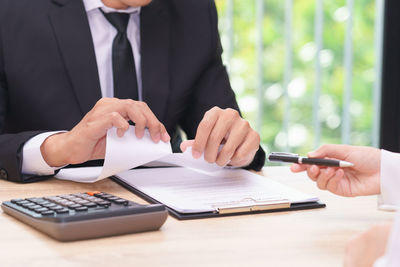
x=259, y=18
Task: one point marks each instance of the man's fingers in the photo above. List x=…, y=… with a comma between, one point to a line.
x=136, y=115
x=235, y=139
x=136, y=111
x=143, y=117
x=118, y=122
x=246, y=151
x=221, y=129
x=204, y=131
x=156, y=128
x=164, y=134
x=99, y=128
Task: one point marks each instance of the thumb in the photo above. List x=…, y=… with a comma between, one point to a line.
x=185, y=144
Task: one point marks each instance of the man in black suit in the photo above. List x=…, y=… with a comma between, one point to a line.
x=69, y=66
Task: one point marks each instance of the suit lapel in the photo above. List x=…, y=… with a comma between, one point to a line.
x=72, y=31
x=155, y=41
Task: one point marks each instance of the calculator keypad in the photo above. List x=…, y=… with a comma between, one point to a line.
x=85, y=215
x=71, y=203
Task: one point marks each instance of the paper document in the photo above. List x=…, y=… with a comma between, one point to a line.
x=127, y=152
x=190, y=191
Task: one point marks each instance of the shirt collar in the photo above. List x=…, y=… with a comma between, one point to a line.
x=91, y=5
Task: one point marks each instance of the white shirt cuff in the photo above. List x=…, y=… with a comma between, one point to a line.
x=390, y=181
x=32, y=159
x=380, y=262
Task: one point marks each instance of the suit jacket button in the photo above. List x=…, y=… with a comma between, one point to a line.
x=3, y=174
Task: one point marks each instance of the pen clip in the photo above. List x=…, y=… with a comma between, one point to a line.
x=284, y=154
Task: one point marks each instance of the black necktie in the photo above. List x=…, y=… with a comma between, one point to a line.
x=123, y=63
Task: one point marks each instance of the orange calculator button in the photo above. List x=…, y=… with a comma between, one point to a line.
x=92, y=193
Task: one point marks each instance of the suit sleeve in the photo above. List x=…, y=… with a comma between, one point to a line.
x=213, y=89
x=11, y=144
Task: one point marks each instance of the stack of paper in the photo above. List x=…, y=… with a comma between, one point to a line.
x=128, y=152
x=190, y=191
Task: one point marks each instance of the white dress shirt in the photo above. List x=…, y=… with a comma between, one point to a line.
x=392, y=256
x=390, y=181
x=103, y=34
x=390, y=199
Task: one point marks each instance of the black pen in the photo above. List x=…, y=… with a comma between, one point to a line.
x=295, y=158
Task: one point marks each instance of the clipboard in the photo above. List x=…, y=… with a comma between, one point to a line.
x=229, y=209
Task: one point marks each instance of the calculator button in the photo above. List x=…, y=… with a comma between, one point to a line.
x=121, y=201
x=93, y=193
x=112, y=198
x=101, y=195
x=33, y=199
x=16, y=201
x=35, y=207
x=74, y=206
x=57, y=207
x=47, y=212
x=90, y=205
x=66, y=196
x=63, y=210
x=28, y=205
x=23, y=202
x=82, y=202
x=52, y=198
x=81, y=208
x=49, y=205
x=36, y=200
x=41, y=209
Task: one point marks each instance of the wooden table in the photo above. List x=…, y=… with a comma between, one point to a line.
x=298, y=238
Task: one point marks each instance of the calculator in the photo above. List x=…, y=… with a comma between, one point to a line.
x=86, y=215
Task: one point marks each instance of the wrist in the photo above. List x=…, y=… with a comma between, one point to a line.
x=54, y=150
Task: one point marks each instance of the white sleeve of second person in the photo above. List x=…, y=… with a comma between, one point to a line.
x=32, y=159
x=391, y=257
x=390, y=180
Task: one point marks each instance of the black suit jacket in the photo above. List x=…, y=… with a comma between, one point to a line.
x=49, y=78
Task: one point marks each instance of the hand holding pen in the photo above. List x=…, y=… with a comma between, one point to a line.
x=361, y=179
x=295, y=158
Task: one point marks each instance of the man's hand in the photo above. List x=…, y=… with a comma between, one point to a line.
x=87, y=140
x=224, y=126
x=360, y=180
x=364, y=249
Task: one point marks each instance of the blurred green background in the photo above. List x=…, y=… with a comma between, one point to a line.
x=242, y=66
